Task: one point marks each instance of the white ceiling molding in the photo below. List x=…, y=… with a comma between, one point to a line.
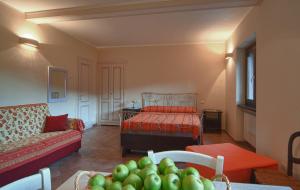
x=131, y=9
x=160, y=44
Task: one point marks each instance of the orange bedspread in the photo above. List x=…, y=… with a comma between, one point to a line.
x=164, y=122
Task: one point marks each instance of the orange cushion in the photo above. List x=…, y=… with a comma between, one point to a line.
x=238, y=162
x=56, y=123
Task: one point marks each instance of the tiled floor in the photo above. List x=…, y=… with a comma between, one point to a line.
x=101, y=151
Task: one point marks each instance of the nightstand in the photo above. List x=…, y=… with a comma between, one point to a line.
x=212, y=120
x=129, y=112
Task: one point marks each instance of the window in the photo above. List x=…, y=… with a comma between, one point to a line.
x=250, y=67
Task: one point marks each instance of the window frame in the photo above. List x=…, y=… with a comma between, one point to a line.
x=250, y=49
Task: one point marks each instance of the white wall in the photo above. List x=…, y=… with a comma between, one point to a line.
x=278, y=77
x=250, y=128
x=23, y=71
x=234, y=117
x=276, y=23
x=172, y=69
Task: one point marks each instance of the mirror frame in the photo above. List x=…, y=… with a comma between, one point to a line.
x=53, y=100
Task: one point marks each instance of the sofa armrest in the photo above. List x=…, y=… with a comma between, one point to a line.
x=76, y=124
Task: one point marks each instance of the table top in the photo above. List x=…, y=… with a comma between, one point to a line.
x=233, y=154
x=69, y=184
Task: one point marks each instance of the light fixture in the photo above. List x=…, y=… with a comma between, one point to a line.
x=228, y=55
x=29, y=42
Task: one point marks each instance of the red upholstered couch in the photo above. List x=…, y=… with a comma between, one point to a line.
x=24, y=148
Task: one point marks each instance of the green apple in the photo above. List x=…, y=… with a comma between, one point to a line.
x=161, y=176
x=171, y=182
x=96, y=188
x=190, y=171
x=208, y=184
x=146, y=171
x=134, y=180
x=179, y=173
x=120, y=172
x=190, y=182
x=97, y=180
x=144, y=161
x=135, y=171
x=128, y=187
x=171, y=169
x=152, y=182
x=164, y=163
x=152, y=166
x=108, y=181
x=115, y=186
x=131, y=165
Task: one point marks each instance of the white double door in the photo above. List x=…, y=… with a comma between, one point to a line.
x=111, y=93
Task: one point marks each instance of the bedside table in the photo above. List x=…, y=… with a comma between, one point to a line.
x=212, y=120
x=129, y=112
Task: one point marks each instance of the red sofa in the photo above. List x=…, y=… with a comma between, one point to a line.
x=24, y=148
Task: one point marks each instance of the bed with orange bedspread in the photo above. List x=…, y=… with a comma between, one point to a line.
x=161, y=128
x=168, y=123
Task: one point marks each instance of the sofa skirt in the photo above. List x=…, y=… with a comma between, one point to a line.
x=34, y=166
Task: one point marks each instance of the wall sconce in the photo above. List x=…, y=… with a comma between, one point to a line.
x=228, y=55
x=29, y=42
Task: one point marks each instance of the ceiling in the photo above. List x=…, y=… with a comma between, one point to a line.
x=40, y=5
x=114, y=23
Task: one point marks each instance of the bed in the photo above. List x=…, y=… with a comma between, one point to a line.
x=166, y=122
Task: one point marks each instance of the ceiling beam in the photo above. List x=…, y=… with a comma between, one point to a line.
x=132, y=9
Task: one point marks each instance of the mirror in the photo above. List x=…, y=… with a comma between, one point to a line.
x=57, y=84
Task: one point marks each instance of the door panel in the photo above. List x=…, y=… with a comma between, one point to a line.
x=117, y=95
x=84, y=92
x=84, y=82
x=105, y=111
x=105, y=94
x=105, y=83
x=117, y=106
x=117, y=75
x=84, y=113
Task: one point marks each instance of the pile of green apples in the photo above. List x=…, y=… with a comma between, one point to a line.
x=145, y=175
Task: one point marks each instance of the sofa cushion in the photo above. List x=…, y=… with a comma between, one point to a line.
x=15, y=154
x=76, y=124
x=56, y=123
x=22, y=121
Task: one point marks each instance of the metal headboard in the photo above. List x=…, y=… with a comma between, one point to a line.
x=169, y=99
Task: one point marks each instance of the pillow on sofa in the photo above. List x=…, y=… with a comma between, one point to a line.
x=56, y=123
